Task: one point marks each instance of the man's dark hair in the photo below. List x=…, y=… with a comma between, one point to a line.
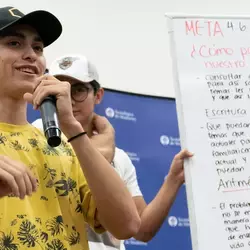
x=95, y=85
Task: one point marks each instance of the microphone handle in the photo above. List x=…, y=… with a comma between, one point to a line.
x=51, y=128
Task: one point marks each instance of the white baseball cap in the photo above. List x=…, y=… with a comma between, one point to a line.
x=74, y=66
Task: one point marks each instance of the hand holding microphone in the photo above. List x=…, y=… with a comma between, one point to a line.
x=53, y=98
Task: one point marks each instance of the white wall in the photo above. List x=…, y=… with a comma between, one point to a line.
x=126, y=39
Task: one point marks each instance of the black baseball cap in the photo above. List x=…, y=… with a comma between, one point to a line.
x=46, y=24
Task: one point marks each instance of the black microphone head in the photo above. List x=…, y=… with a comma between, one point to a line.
x=53, y=136
x=50, y=122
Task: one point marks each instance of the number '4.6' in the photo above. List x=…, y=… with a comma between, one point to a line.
x=234, y=26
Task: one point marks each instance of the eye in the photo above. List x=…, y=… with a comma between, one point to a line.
x=79, y=89
x=14, y=43
x=38, y=48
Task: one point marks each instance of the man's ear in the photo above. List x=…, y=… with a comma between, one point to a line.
x=99, y=96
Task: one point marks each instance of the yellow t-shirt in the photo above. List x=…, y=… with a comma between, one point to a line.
x=53, y=217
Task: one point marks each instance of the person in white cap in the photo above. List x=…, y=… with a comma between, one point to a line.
x=86, y=92
x=48, y=193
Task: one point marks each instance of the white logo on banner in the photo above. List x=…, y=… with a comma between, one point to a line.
x=118, y=114
x=110, y=112
x=164, y=140
x=133, y=156
x=135, y=242
x=172, y=221
x=169, y=140
x=178, y=222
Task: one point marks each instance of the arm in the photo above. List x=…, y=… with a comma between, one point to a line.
x=116, y=209
x=153, y=215
x=104, y=142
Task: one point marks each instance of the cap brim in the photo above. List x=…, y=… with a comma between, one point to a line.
x=46, y=24
x=84, y=80
x=95, y=84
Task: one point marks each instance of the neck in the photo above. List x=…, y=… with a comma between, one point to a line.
x=88, y=126
x=13, y=111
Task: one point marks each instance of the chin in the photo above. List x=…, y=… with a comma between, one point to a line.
x=26, y=86
x=18, y=91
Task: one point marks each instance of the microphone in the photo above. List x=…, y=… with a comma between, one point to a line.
x=51, y=128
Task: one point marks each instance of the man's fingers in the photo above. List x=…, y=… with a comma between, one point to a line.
x=10, y=181
x=24, y=178
x=19, y=178
x=28, y=184
x=95, y=116
x=100, y=123
x=16, y=176
x=32, y=180
x=98, y=120
x=185, y=154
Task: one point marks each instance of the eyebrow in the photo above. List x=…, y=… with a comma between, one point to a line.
x=6, y=33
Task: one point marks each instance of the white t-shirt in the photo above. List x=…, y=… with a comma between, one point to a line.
x=126, y=170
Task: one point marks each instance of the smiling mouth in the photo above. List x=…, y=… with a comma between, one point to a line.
x=27, y=70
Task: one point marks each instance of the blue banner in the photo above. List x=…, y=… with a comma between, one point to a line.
x=146, y=128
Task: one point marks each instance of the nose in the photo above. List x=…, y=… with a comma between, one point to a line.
x=29, y=54
x=72, y=102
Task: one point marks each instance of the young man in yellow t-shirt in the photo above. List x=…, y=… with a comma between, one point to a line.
x=44, y=196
